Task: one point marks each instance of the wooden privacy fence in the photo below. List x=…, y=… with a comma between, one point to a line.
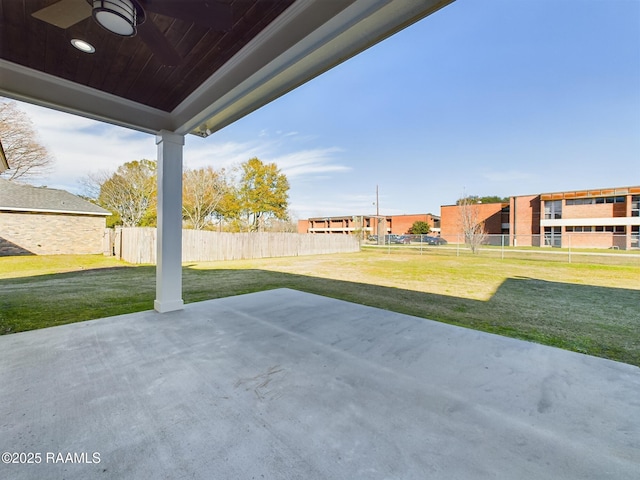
x=138, y=245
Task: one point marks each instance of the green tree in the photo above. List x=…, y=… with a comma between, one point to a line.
x=468, y=200
x=130, y=192
x=263, y=193
x=420, y=227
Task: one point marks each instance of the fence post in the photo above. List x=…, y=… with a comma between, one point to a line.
x=117, y=243
x=502, y=249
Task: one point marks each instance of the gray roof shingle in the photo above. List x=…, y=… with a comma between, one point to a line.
x=27, y=198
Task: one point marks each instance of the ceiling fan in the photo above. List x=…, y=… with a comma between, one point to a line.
x=129, y=17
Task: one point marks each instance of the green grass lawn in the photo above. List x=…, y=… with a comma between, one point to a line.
x=586, y=308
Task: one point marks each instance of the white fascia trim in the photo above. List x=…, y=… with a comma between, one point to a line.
x=209, y=92
x=28, y=85
x=590, y=222
x=44, y=210
x=359, y=25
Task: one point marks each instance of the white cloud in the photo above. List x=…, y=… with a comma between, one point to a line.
x=82, y=146
x=306, y=162
x=47, y=118
x=295, y=164
x=200, y=153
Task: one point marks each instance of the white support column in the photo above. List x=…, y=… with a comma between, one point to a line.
x=169, y=250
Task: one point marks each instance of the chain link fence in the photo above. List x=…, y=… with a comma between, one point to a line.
x=593, y=247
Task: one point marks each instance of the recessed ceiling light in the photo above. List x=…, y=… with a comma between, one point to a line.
x=83, y=46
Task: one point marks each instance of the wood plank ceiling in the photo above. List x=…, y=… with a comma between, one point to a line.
x=126, y=67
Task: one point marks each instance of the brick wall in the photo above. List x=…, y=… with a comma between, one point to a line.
x=595, y=240
x=525, y=220
x=451, y=222
x=303, y=226
x=602, y=210
x=400, y=224
x=50, y=234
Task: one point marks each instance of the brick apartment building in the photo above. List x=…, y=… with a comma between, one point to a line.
x=368, y=224
x=599, y=218
x=494, y=215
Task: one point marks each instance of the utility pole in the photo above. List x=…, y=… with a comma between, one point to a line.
x=379, y=231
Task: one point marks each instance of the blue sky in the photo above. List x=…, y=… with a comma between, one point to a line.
x=492, y=97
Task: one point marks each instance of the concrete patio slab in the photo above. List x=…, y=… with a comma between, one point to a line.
x=287, y=385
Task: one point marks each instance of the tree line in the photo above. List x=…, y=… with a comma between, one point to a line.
x=471, y=199
x=251, y=197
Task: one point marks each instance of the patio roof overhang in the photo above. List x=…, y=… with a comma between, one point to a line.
x=273, y=47
x=213, y=75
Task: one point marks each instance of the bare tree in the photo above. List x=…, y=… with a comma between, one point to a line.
x=130, y=192
x=25, y=155
x=471, y=224
x=202, y=193
x=287, y=225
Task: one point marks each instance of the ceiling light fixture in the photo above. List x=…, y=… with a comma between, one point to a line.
x=117, y=16
x=83, y=46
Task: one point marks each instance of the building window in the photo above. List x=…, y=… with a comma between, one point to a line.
x=635, y=236
x=593, y=201
x=580, y=201
x=505, y=214
x=610, y=228
x=553, y=209
x=579, y=229
x=610, y=200
x=635, y=206
x=552, y=236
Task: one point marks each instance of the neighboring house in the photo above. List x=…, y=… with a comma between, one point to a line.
x=369, y=224
x=597, y=218
x=46, y=221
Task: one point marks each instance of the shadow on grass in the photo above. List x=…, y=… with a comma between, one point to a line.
x=594, y=320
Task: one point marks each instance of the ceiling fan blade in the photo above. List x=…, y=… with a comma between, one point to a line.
x=158, y=43
x=64, y=13
x=210, y=14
